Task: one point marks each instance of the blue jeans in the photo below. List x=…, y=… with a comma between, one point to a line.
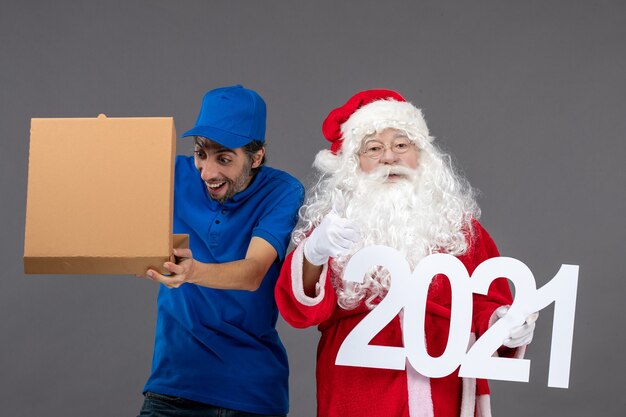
x=160, y=405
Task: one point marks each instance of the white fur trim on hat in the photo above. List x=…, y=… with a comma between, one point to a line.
x=381, y=114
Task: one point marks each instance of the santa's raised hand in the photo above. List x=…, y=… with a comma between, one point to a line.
x=334, y=236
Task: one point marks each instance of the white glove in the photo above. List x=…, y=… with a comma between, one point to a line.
x=520, y=335
x=334, y=236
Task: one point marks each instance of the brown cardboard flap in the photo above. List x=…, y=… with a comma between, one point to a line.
x=92, y=265
x=180, y=241
x=95, y=265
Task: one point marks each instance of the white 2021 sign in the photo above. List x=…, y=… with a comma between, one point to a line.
x=408, y=292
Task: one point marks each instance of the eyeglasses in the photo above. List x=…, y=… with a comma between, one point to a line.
x=375, y=149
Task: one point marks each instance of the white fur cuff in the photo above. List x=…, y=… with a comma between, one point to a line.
x=296, y=279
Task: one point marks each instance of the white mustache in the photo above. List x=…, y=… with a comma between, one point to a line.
x=382, y=173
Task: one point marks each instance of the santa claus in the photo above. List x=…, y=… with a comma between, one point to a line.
x=384, y=182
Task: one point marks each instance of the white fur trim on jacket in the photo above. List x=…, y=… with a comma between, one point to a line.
x=483, y=406
x=420, y=395
x=468, y=389
x=296, y=279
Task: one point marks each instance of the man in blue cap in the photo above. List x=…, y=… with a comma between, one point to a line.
x=217, y=352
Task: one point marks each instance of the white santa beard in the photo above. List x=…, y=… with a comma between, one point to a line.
x=387, y=214
x=405, y=215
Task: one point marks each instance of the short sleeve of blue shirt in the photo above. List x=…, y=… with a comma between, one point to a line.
x=276, y=225
x=220, y=347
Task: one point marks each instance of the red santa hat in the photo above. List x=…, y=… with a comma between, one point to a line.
x=370, y=111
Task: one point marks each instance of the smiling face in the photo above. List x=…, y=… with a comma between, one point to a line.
x=225, y=171
x=391, y=149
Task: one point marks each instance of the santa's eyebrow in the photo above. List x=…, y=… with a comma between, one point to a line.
x=371, y=139
x=400, y=134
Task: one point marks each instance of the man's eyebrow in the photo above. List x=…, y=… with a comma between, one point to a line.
x=225, y=150
x=214, y=148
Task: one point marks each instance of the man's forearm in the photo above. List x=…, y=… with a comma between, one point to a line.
x=245, y=274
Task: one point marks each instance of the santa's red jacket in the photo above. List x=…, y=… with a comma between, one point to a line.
x=346, y=391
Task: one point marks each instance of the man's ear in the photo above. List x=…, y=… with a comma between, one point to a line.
x=257, y=157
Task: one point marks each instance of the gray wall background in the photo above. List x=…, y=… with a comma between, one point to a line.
x=529, y=96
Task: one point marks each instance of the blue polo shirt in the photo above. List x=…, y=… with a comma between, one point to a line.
x=221, y=347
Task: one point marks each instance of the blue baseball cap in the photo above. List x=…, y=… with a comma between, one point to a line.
x=231, y=116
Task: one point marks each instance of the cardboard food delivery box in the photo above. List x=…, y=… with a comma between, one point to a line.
x=100, y=195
